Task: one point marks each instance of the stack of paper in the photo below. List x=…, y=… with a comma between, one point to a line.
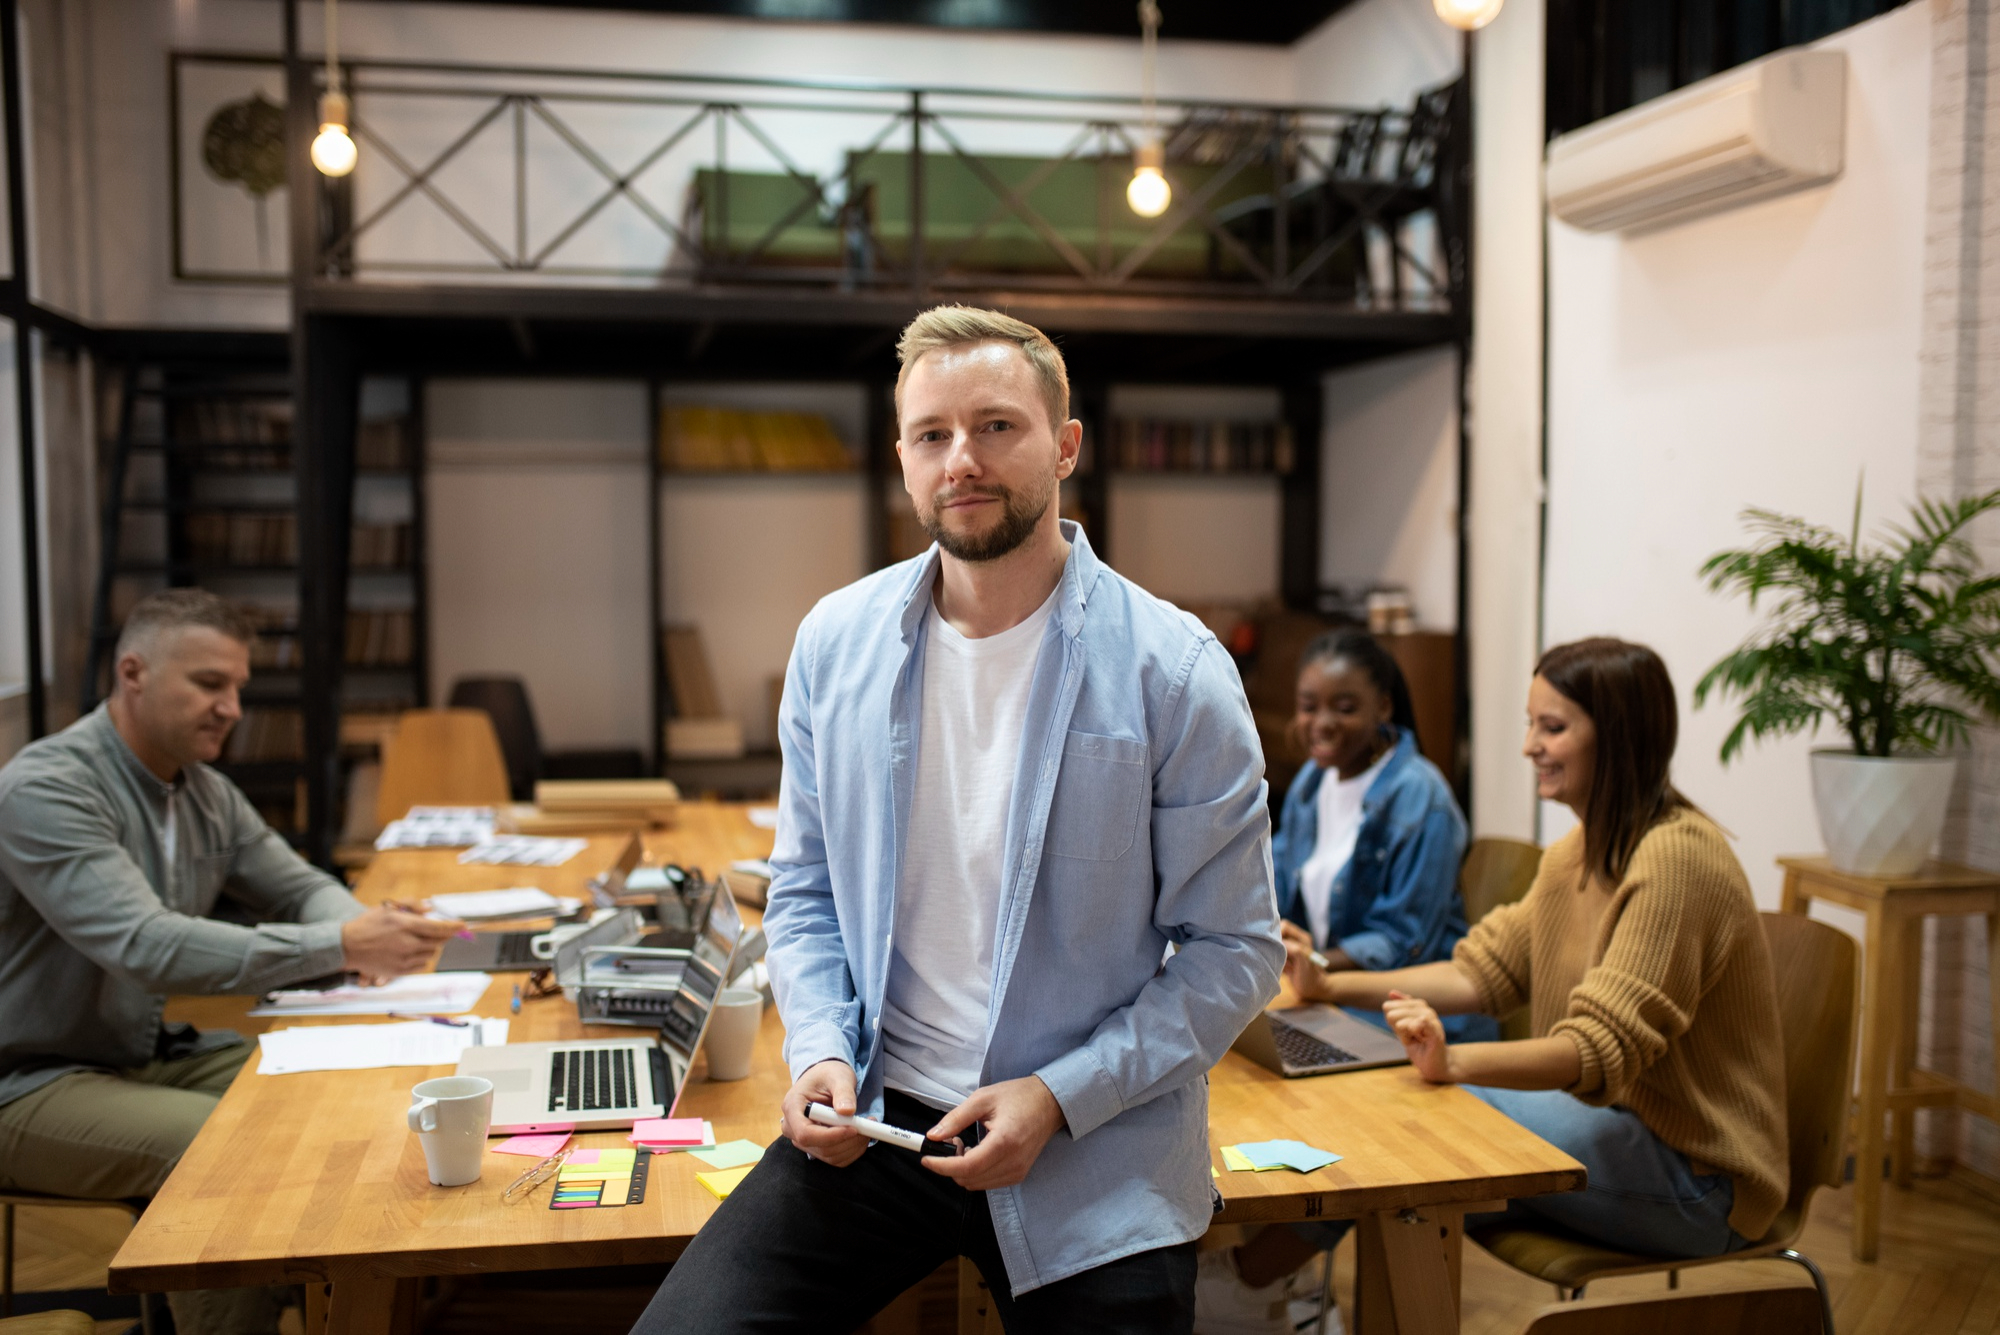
x=431, y=993
x=520, y=902
x=664, y=1135
x=359, y=1047
x=438, y=827
x=523, y=850
x=1261, y=1156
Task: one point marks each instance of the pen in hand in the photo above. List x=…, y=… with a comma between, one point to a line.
x=464, y=933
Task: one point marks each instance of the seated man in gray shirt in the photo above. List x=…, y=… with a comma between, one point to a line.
x=116, y=839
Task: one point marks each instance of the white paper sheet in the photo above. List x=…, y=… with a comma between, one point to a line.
x=359, y=1047
x=428, y=993
x=437, y=827
x=524, y=850
x=520, y=902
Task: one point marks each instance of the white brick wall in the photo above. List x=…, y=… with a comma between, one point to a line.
x=1958, y=455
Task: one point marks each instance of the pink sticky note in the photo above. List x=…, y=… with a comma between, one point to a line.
x=667, y=1131
x=577, y=1157
x=539, y=1146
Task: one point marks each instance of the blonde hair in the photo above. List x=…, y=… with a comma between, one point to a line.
x=956, y=326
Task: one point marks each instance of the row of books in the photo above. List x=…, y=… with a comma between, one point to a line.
x=268, y=734
x=383, y=445
x=1201, y=447
x=379, y=545
x=246, y=539
x=223, y=421
x=740, y=440
x=381, y=639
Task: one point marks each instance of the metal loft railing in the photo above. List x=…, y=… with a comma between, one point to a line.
x=525, y=175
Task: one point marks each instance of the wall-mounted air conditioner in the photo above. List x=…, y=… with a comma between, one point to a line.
x=1764, y=129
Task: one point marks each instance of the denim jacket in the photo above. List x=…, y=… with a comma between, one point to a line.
x=1396, y=901
x=1137, y=821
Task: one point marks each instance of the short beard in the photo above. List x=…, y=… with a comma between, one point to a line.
x=1018, y=520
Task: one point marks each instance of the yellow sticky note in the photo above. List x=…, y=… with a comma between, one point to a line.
x=723, y=1181
x=1236, y=1160
x=624, y=1158
x=595, y=1172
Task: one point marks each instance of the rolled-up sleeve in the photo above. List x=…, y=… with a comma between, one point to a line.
x=1212, y=864
x=60, y=849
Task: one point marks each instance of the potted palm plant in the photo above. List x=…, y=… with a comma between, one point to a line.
x=1896, y=643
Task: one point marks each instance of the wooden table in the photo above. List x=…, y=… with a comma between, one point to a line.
x=314, y=1179
x=1891, y=1083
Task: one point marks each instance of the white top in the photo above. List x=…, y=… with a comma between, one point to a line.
x=940, y=988
x=1339, y=805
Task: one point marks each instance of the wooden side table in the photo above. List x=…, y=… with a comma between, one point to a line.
x=1892, y=971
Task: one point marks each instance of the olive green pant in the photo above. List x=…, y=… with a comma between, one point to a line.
x=93, y=1135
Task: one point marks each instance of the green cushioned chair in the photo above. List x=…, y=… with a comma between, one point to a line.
x=1816, y=969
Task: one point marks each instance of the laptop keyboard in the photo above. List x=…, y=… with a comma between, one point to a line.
x=1297, y=1048
x=591, y=1079
x=517, y=951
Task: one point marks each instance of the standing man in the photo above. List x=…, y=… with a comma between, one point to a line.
x=116, y=839
x=1013, y=780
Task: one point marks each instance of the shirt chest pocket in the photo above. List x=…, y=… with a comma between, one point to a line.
x=1100, y=797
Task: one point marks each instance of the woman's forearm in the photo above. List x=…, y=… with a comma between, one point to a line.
x=1441, y=984
x=1528, y=1063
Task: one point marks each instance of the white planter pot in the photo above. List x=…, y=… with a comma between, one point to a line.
x=1880, y=815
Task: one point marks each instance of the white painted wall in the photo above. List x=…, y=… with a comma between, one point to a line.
x=1389, y=480
x=1196, y=539
x=537, y=532
x=1504, y=569
x=1765, y=356
x=1376, y=53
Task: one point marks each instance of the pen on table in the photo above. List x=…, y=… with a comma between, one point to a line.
x=434, y=1019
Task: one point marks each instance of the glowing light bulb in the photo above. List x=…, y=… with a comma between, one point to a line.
x=1148, y=193
x=333, y=150
x=1468, y=14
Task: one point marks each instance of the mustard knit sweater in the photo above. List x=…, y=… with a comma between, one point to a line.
x=1674, y=1016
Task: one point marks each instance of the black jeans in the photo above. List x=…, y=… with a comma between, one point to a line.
x=804, y=1246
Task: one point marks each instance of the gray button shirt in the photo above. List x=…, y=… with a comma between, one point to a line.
x=106, y=878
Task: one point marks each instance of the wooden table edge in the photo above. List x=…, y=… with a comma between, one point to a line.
x=1355, y=1202
x=497, y=1258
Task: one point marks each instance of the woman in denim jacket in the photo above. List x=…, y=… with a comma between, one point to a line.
x=1366, y=857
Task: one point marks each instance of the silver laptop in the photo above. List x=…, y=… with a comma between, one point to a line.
x=608, y=1083
x=1311, y=1040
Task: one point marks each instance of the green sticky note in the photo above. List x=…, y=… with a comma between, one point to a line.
x=730, y=1154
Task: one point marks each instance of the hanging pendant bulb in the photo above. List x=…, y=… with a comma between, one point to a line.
x=1468, y=14
x=1148, y=193
x=333, y=150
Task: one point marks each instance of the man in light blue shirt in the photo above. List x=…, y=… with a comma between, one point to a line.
x=1012, y=781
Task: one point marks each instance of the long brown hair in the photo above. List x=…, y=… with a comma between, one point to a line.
x=1630, y=698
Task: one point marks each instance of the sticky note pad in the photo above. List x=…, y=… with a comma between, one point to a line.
x=1293, y=1154
x=540, y=1147
x=733, y=1154
x=576, y=1196
x=668, y=1130
x=720, y=1184
x=619, y=1158
x=1233, y=1157
x=582, y=1157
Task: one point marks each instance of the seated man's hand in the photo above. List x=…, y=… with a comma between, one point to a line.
x=830, y=1082
x=1018, y=1117
x=387, y=942
x=1417, y=1025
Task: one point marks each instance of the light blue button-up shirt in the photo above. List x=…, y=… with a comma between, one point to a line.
x=1138, y=820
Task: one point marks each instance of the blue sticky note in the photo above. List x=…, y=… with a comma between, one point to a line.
x=1293, y=1154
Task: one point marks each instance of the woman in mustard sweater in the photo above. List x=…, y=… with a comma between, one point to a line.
x=1657, y=1060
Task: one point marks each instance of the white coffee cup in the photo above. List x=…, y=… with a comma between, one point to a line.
x=450, y=1116
x=732, y=1033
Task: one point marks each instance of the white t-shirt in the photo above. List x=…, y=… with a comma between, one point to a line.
x=975, y=701
x=1339, y=806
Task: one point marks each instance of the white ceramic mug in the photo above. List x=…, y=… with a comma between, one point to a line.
x=732, y=1033
x=450, y=1116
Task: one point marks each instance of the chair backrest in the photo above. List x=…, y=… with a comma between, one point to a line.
x=1495, y=872
x=505, y=699
x=1792, y=1310
x=1817, y=972
x=441, y=757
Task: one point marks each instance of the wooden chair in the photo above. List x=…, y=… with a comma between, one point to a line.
x=49, y=1323
x=1498, y=871
x=1788, y=1311
x=1816, y=969
x=52, y=1321
x=441, y=757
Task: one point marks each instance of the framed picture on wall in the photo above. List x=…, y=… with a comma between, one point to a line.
x=227, y=119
